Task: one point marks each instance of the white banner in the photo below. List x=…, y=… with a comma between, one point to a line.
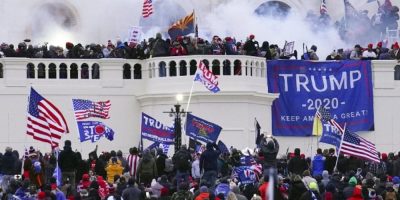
x=135, y=34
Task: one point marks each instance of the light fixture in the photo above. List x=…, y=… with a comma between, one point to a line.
x=179, y=97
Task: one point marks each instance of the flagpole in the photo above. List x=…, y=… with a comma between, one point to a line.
x=187, y=108
x=340, y=146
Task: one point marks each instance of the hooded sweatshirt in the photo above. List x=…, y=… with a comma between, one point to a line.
x=325, y=178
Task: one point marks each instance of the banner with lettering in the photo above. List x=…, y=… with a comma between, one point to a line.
x=155, y=131
x=344, y=88
x=202, y=130
x=93, y=131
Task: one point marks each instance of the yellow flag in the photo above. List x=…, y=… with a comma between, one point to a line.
x=317, y=127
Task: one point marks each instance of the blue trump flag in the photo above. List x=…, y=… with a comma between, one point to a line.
x=344, y=88
x=222, y=147
x=155, y=131
x=330, y=135
x=202, y=130
x=94, y=130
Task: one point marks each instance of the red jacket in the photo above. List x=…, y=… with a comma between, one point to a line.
x=263, y=191
x=203, y=196
x=357, y=195
x=178, y=51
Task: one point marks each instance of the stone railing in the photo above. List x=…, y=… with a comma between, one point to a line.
x=21, y=69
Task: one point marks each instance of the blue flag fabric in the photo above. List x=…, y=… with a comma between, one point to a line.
x=245, y=174
x=153, y=146
x=207, y=78
x=155, y=131
x=330, y=135
x=202, y=130
x=57, y=171
x=344, y=88
x=222, y=147
x=94, y=130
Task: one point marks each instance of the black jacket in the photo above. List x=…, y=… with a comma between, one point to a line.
x=209, y=158
x=67, y=160
x=8, y=163
x=297, y=165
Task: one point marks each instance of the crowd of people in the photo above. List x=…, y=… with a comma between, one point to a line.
x=158, y=47
x=207, y=174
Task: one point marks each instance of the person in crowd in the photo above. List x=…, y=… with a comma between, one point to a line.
x=161, y=161
x=395, y=53
x=297, y=188
x=67, y=161
x=325, y=178
x=8, y=167
x=269, y=149
x=147, y=169
x=203, y=193
x=181, y=161
x=318, y=163
x=183, y=192
x=209, y=163
x=356, y=54
x=196, y=168
x=222, y=188
x=297, y=165
x=133, y=160
x=229, y=46
x=251, y=46
x=312, y=192
x=177, y=49
x=114, y=168
x=369, y=54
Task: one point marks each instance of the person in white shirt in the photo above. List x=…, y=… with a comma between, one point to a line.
x=196, y=168
x=369, y=54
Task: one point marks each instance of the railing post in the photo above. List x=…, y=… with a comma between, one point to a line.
x=15, y=71
x=110, y=72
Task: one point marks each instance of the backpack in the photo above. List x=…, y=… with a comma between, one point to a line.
x=169, y=166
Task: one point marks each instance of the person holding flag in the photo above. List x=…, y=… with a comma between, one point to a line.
x=269, y=148
x=67, y=162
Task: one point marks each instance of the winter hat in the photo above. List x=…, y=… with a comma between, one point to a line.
x=395, y=45
x=251, y=36
x=396, y=180
x=41, y=195
x=353, y=181
x=370, y=46
x=379, y=44
x=203, y=189
x=384, y=156
x=313, y=186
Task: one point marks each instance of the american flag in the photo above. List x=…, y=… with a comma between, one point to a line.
x=147, y=8
x=355, y=145
x=45, y=122
x=325, y=116
x=323, y=9
x=86, y=108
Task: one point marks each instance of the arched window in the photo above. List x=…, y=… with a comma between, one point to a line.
x=162, y=69
x=126, y=73
x=95, y=71
x=193, y=67
x=226, y=67
x=172, y=68
x=73, y=73
x=30, y=70
x=216, y=67
x=182, y=68
x=41, y=71
x=397, y=73
x=137, y=71
x=237, y=67
x=52, y=71
x=84, y=71
x=63, y=71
